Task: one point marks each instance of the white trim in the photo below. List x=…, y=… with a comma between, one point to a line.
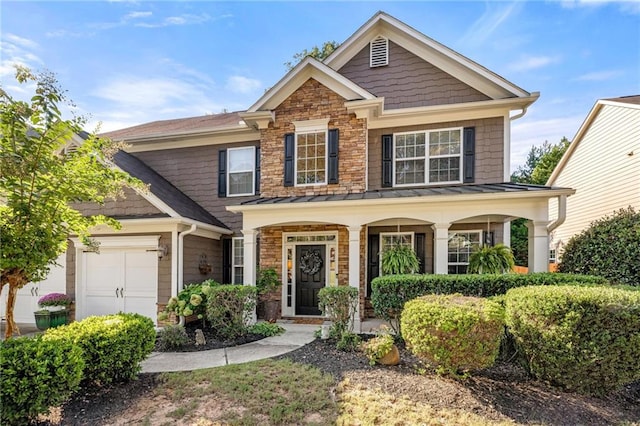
x=311, y=126
x=466, y=231
x=162, y=224
x=177, y=140
x=121, y=242
x=253, y=171
x=506, y=154
x=234, y=241
x=326, y=158
x=382, y=52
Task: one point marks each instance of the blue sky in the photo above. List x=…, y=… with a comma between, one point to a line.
x=130, y=62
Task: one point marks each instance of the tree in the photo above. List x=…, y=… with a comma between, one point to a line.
x=39, y=181
x=537, y=169
x=316, y=52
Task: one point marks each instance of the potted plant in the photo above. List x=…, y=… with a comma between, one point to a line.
x=267, y=283
x=53, y=310
x=382, y=349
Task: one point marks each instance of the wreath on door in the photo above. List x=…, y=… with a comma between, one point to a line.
x=310, y=262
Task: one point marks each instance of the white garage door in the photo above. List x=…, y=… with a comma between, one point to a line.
x=119, y=279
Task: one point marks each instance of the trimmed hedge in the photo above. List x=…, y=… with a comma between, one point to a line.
x=229, y=308
x=455, y=333
x=113, y=346
x=585, y=339
x=36, y=374
x=391, y=292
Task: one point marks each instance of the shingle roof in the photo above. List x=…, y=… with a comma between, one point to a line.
x=178, y=125
x=631, y=99
x=163, y=189
x=506, y=187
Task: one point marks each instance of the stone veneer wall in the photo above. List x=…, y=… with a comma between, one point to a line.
x=310, y=102
x=271, y=252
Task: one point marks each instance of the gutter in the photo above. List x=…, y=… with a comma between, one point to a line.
x=519, y=115
x=562, y=214
x=181, y=261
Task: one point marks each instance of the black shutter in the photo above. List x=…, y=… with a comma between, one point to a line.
x=387, y=161
x=469, y=154
x=257, y=184
x=373, y=264
x=419, y=247
x=222, y=173
x=333, y=156
x=289, y=148
x=226, y=261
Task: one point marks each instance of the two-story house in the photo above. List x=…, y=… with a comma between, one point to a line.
x=394, y=138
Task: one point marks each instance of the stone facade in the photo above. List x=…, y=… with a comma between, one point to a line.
x=310, y=102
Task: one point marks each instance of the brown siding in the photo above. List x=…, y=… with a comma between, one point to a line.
x=132, y=204
x=194, y=171
x=314, y=101
x=489, y=148
x=194, y=247
x=408, y=81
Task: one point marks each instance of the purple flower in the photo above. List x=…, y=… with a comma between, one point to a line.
x=54, y=299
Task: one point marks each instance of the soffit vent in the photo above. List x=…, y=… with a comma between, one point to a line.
x=379, y=52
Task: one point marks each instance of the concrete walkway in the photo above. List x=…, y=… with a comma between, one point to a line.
x=295, y=336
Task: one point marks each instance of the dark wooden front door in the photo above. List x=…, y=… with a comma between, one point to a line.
x=310, y=275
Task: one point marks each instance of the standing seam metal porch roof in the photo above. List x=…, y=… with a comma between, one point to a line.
x=489, y=188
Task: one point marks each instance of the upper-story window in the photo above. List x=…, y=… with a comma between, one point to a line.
x=311, y=158
x=241, y=171
x=433, y=156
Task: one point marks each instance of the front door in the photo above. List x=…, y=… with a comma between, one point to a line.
x=310, y=278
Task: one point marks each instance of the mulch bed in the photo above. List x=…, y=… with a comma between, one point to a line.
x=210, y=338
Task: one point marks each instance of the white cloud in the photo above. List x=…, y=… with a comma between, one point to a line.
x=600, y=75
x=627, y=6
x=133, y=19
x=66, y=33
x=20, y=41
x=136, y=15
x=185, y=19
x=244, y=85
x=495, y=15
x=528, y=63
x=17, y=51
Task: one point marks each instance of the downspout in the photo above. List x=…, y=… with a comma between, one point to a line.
x=562, y=214
x=520, y=115
x=181, y=261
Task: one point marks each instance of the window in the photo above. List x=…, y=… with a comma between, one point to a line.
x=552, y=256
x=311, y=158
x=391, y=239
x=428, y=157
x=241, y=169
x=461, y=245
x=237, y=260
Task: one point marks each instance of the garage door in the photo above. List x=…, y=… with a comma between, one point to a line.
x=119, y=279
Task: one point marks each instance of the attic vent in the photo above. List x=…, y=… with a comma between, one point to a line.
x=70, y=149
x=379, y=52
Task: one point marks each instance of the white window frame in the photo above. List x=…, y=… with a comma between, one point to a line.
x=236, y=242
x=381, y=245
x=253, y=171
x=311, y=127
x=428, y=157
x=465, y=231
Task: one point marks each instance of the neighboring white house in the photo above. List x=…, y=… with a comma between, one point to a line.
x=602, y=164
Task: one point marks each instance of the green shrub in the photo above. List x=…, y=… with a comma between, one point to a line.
x=192, y=300
x=390, y=293
x=348, y=342
x=113, y=346
x=172, y=337
x=585, y=339
x=375, y=349
x=36, y=374
x=229, y=307
x=266, y=329
x=609, y=247
x=399, y=259
x=339, y=305
x=496, y=259
x=455, y=333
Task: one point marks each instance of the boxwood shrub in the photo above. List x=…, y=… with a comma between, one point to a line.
x=36, y=374
x=113, y=346
x=456, y=334
x=391, y=292
x=585, y=339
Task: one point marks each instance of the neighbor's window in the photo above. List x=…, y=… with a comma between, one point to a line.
x=311, y=158
x=237, y=259
x=461, y=245
x=433, y=156
x=241, y=168
x=391, y=239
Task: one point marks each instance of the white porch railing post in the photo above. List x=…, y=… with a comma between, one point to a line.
x=440, y=247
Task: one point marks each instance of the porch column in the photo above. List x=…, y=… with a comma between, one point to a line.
x=440, y=247
x=249, y=271
x=538, y=246
x=354, y=270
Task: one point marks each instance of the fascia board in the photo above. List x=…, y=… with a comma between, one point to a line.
x=214, y=138
x=164, y=136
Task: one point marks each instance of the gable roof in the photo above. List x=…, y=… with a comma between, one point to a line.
x=632, y=101
x=451, y=62
x=306, y=69
x=175, y=199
